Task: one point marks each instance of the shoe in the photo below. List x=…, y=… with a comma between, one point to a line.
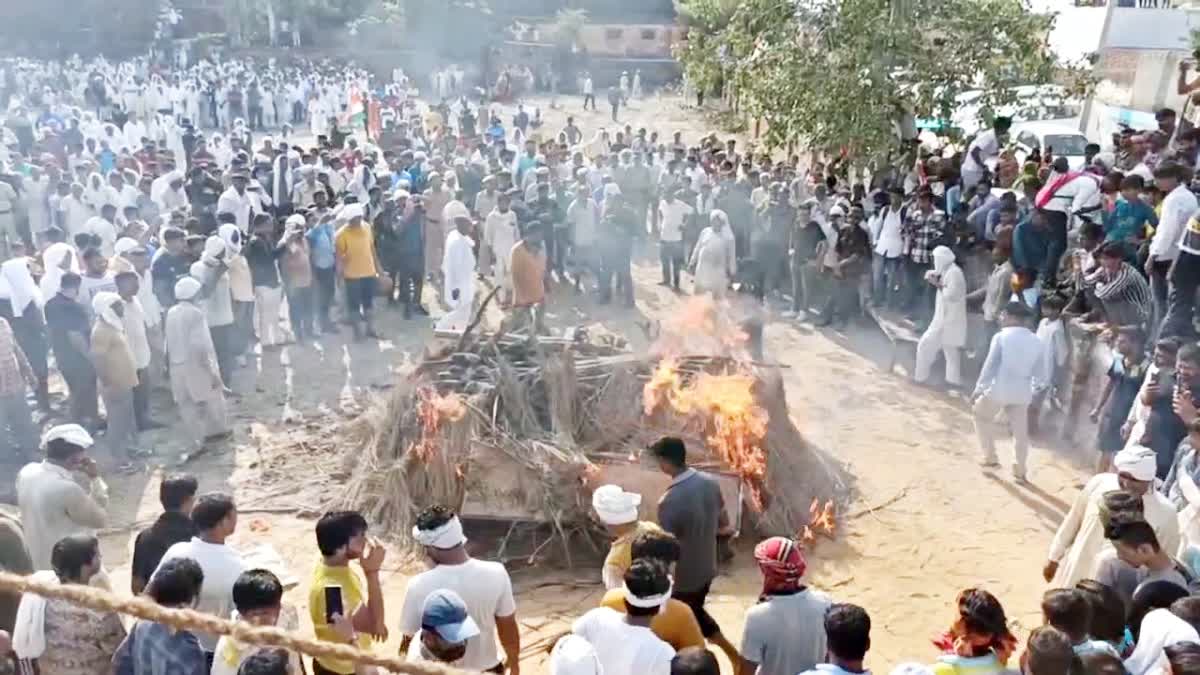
x=1019, y=476
x=989, y=464
x=801, y=315
x=787, y=314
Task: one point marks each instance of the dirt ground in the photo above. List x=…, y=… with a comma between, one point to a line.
x=925, y=522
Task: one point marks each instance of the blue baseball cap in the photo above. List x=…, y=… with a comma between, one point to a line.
x=445, y=613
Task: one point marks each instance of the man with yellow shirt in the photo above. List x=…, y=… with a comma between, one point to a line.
x=618, y=511
x=342, y=537
x=359, y=265
x=675, y=624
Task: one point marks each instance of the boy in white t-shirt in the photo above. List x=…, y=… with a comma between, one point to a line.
x=624, y=642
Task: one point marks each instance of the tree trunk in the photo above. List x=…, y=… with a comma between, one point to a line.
x=271, y=28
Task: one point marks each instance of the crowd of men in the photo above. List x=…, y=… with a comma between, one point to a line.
x=150, y=234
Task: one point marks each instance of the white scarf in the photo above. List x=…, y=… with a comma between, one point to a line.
x=448, y=535
x=22, y=290
x=29, y=631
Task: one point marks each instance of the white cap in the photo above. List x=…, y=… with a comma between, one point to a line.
x=71, y=433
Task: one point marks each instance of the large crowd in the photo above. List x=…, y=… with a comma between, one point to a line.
x=157, y=223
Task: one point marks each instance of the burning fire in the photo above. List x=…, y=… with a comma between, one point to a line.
x=821, y=521
x=734, y=424
x=432, y=410
x=702, y=326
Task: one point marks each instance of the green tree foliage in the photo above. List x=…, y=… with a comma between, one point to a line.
x=844, y=73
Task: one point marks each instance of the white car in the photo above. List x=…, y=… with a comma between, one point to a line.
x=1059, y=140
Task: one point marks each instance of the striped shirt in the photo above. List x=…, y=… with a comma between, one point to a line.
x=1126, y=296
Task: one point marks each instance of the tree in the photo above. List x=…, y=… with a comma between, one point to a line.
x=567, y=27
x=845, y=74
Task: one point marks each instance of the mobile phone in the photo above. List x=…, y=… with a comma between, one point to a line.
x=333, y=603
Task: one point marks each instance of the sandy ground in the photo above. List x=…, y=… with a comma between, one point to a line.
x=925, y=522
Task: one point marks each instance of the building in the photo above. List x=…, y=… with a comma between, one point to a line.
x=1137, y=67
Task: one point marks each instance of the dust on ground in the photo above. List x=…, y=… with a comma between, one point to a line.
x=925, y=522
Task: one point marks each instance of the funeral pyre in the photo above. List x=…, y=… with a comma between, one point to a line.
x=519, y=428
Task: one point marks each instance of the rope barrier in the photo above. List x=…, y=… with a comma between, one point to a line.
x=189, y=619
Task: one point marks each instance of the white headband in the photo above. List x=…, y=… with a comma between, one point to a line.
x=649, y=600
x=448, y=535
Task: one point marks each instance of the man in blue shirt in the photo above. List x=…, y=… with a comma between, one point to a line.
x=321, y=253
x=1006, y=383
x=1031, y=238
x=1128, y=219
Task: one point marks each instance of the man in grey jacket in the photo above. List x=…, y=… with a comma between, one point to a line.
x=693, y=510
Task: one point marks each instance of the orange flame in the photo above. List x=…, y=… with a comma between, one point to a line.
x=432, y=410
x=701, y=326
x=735, y=425
x=821, y=521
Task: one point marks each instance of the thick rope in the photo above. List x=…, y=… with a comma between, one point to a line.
x=188, y=619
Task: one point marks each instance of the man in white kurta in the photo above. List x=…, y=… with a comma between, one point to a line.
x=948, y=330
x=500, y=234
x=1080, y=541
x=53, y=504
x=196, y=382
x=458, y=270
x=713, y=257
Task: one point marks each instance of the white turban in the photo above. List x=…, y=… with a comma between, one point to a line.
x=350, y=212
x=232, y=237
x=19, y=286
x=449, y=535
x=295, y=219
x=71, y=433
x=186, y=288
x=836, y=211
x=1137, y=461
x=102, y=306
x=125, y=245
x=214, y=248
x=573, y=655
x=455, y=210
x=943, y=258
x=615, y=506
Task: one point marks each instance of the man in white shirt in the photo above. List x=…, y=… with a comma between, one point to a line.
x=1065, y=194
x=484, y=586
x=215, y=517
x=74, y=212
x=888, y=245
x=134, y=321
x=500, y=234
x=104, y=227
x=52, y=503
x=624, y=642
x=235, y=200
x=1006, y=383
x=673, y=214
x=1173, y=230
x=985, y=147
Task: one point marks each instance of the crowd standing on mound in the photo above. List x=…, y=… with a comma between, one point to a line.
x=158, y=223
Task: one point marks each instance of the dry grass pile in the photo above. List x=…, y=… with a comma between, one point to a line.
x=513, y=427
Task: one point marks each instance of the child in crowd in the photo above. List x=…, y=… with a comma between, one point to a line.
x=1052, y=331
x=1125, y=377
